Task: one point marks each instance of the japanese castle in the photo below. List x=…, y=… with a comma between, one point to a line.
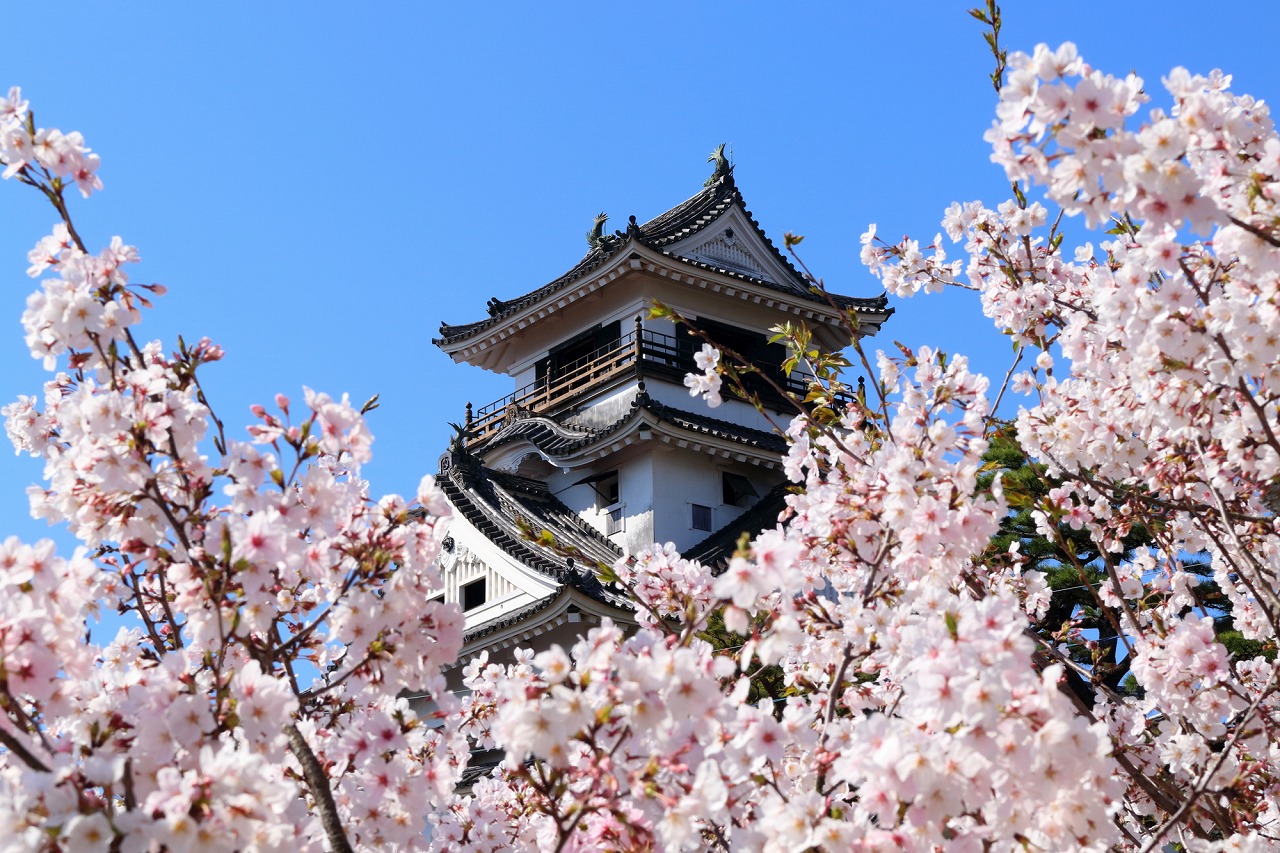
x=600, y=451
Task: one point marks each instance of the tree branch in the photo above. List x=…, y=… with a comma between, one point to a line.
x=318, y=783
x=15, y=746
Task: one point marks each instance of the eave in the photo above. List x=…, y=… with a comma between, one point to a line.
x=483, y=343
x=565, y=606
x=503, y=507
x=648, y=421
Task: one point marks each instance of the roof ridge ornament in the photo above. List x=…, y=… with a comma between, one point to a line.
x=723, y=168
x=459, y=452
x=595, y=237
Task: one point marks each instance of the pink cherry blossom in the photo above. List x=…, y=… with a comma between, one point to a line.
x=892, y=682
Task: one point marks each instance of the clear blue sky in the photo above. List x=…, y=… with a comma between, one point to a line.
x=320, y=184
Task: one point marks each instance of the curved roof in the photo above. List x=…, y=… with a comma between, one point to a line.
x=556, y=439
x=506, y=508
x=680, y=222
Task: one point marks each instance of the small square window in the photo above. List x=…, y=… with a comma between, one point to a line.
x=701, y=517
x=473, y=594
x=615, y=522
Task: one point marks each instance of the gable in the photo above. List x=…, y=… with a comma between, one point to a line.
x=733, y=242
x=727, y=250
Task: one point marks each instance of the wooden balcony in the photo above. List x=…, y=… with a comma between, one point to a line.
x=607, y=366
x=638, y=354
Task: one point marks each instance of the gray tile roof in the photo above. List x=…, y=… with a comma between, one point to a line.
x=507, y=508
x=681, y=221
x=550, y=435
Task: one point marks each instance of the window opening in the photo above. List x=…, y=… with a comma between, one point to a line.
x=608, y=502
x=564, y=359
x=473, y=594
x=607, y=490
x=737, y=489
x=701, y=517
x=614, y=522
x=753, y=346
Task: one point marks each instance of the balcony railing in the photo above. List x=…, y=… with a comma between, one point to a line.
x=638, y=353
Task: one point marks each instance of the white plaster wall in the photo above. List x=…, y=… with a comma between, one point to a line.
x=508, y=584
x=582, y=498
x=636, y=490
x=462, y=566
x=682, y=478
x=525, y=377
x=734, y=411
x=658, y=486
x=607, y=409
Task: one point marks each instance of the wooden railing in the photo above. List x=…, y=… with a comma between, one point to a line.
x=575, y=379
x=639, y=353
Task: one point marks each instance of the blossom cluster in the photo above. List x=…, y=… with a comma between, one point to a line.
x=55, y=154
x=885, y=680
x=913, y=708
x=275, y=612
x=1157, y=415
x=707, y=383
x=930, y=702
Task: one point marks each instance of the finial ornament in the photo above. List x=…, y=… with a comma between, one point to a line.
x=462, y=433
x=595, y=237
x=723, y=166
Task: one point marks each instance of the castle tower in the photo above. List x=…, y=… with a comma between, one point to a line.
x=600, y=443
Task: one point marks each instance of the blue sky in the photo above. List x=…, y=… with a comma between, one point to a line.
x=319, y=187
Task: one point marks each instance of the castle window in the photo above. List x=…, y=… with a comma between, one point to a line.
x=566, y=361
x=607, y=490
x=473, y=594
x=701, y=517
x=615, y=522
x=608, y=496
x=737, y=489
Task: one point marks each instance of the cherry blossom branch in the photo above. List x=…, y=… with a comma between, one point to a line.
x=321, y=793
x=1017, y=359
x=1260, y=233
x=1202, y=784
x=15, y=746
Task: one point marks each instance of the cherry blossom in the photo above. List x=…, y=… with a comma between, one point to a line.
x=885, y=679
x=707, y=383
x=279, y=610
